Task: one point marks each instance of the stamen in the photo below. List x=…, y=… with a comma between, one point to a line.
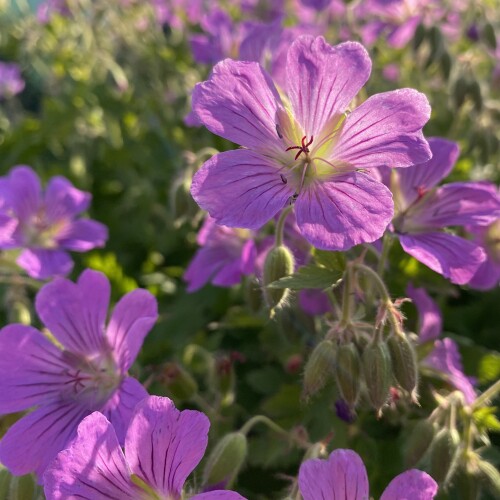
x=304, y=148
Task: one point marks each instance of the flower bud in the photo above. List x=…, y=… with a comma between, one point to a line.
x=278, y=264
x=347, y=372
x=404, y=362
x=225, y=379
x=488, y=476
x=318, y=368
x=17, y=487
x=442, y=452
x=377, y=369
x=253, y=294
x=181, y=385
x=226, y=460
x=418, y=443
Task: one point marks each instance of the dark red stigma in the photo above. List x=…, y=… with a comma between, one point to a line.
x=304, y=148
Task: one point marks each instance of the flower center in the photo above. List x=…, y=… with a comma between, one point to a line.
x=40, y=233
x=304, y=148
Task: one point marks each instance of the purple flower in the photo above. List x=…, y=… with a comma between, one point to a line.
x=45, y=225
x=226, y=254
x=162, y=447
x=306, y=148
x=11, y=82
x=424, y=211
x=488, y=273
x=445, y=357
x=343, y=475
x=48, y=8
x=82, y=371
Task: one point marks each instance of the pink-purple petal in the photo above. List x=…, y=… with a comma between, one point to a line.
x=42, y=264
x=239, y=102
x=8, y=226
x=24, y=192
x=429, y=316
x=120, y=406
x=63, y=200
x=412, y=181
x=83, y=235
x=163, y=445
x=218, y=495
x=75, y=313
x=453, y=257
x=385, y=130
x=132, y=319
x=322, y=80
x=31, y=369
x=240, y=188
x=32, y=442
x=350, y=209
x=92, y=468
x=342, y=476
x=411, y=485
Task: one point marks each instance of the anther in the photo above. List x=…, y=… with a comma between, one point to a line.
x=278, y=131
x=283, y=179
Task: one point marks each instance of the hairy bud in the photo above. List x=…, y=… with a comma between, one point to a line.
x=278, y=264
x=488, y=476
x=377, y=369
x=226, y=460
x=179, y=382
x=442, y=452
x=347, y=372
x=318, y=368
x=404, y=362
x=419, y=442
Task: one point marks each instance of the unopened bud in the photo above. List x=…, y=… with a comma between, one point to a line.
x=347, y=371
x=459, y=91
x=489, y=477
x=226, y=460
x=474, y=91
x=404, y=362
x=419, y=36
x=442, y=452
x=377, y=369
x=253, y=294
x=278, y=264
x=21, y=487
x=419, y=442
x=225, y=379
x=179, y=382
x=488, y=35
x=318, y=368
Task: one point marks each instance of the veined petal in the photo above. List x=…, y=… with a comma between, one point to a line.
x=449, y=255
x=429, y=316
x=92, y=467
x=8, y=226
x=240, y=189
x=239, y=102
x=459, y=204
x=322, y=80
x=218, y=495
x=31, y=369
x=385, y=130
x=411, y=485
x=33, y=442
x=412, y=181
x=42, y=263
x=120, y=407
x=163, y=445
x=402, y=34
x=349, y=209
x=24, y=192
x=132, y=319
x=63, y=200
x=343, y=476
x=75, y=313
x=83, y=235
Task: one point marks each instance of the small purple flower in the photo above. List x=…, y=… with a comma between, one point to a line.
x=226, y=254
x=82, y=371
x=11, y=81
x=45, y=225
x=162, y=447
x=488, y=273
x=343, y=475
x=445, y=357
x=48, y=8
x=307, y=148
x=423, y=211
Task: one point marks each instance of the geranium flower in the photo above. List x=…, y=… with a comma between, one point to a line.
x=343, y=475
x=445, y=357
x=162, y=447
x=82, y=371
x=45, y=225
x=302, y=147
x=423, y=212
x=11, y=81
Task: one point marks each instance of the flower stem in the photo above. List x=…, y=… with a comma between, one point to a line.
x=281, y=224
x=488, y=394
x=347, y=296
x=386, y=247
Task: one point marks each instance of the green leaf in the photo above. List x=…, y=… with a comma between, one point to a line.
x=485, y=418
x=334, y=261
x=489, y=368
x=309, y=276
